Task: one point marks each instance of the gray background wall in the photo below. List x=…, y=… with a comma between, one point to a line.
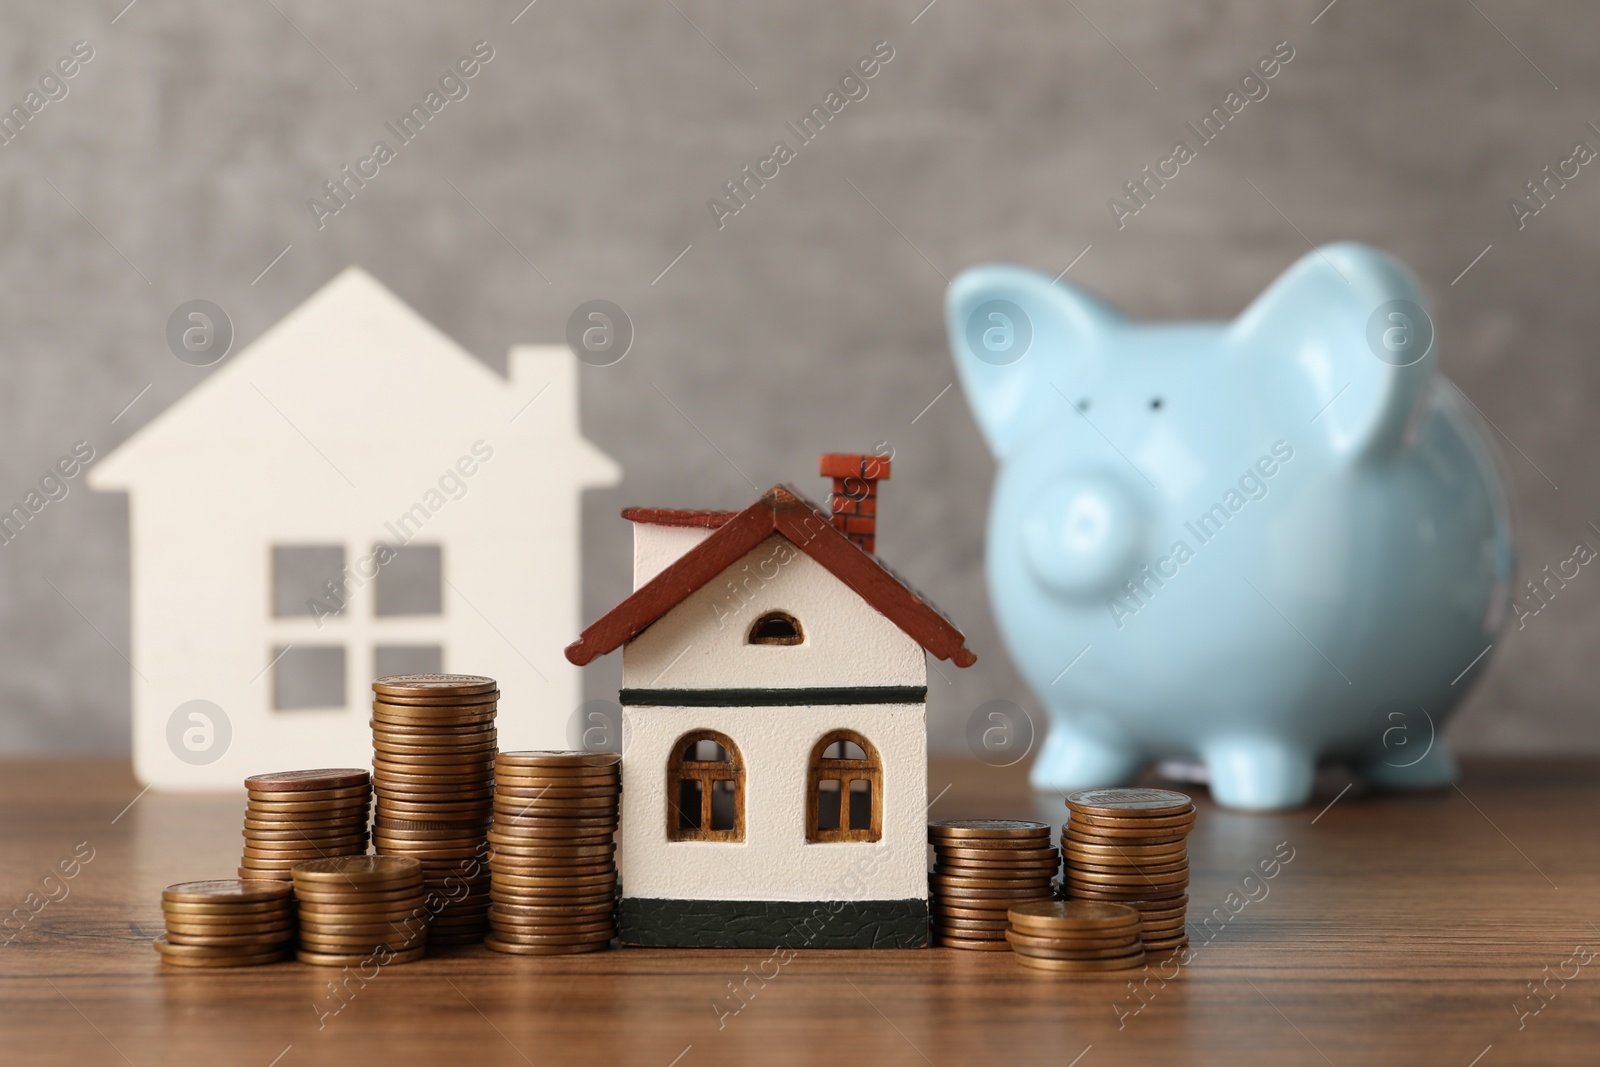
x=192, y=140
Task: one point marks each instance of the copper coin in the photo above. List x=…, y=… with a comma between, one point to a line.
x=947, y=881
x=263, y=941
x=444, y=700
x=1123, y=857
x=1166, y=943
x=1001, y=855
x=995, y=870
x=998, y=829
x=1118, y=895
x=534, y=911
x=395, y=808
x=1053, y=916
x=950, y=922
x=297, y=854
x=343, y=793
x=469, y=734
x=388, y=716
x=329, y=959
x=1185, y=819
x=606, y=792
x=296, y=781
x=520, y=847
x=557, y=759
x=527, y=895
x=507, y=878
x=1118, y=839
x=974, y=944
x=424, y=684
x=1182, y=866
x=317, y=893
x=445, y=709
x=223, y=891
x=172, y=949
x=1121, y=941
x=1118, y=963
x=1074, y=953
x=213, y=956
x=1134, y=878
x=952, y=910
x=359, y=870
x=960, y=893
x=565, y=777
x=275, y=900
x=1122, y=803
x=497, y=944
x=316, y=820
x=238, y=922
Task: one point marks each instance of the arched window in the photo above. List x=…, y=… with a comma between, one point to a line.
x=776, y=628
x=844, y=800
x=705, y=789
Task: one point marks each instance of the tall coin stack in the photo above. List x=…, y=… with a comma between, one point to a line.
x=1128, y=846
x=357, y=909
x=227, y=923
x=292, y=816
x=981, y=869
x=433, y=741
x=554, y=874
x=1075, y=935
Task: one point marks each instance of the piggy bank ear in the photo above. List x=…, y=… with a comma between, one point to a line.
x=1018, y=338
x=1341, y=345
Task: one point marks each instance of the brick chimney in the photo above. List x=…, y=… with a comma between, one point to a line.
x=855, y=494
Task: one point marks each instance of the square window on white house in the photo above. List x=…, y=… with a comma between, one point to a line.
x=308, y=676
x=412, y=582
x=300, y=577
x=407, y=659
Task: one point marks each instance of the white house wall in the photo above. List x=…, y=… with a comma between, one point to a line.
x=657, y=546
x=775, y=862
x=700, y=643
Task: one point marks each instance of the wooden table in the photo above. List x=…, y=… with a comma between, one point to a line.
x=1403, y=930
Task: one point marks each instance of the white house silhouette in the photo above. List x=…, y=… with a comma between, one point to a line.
x=352, y=444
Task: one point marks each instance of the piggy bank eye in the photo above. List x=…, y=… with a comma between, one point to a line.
x=1155, y=403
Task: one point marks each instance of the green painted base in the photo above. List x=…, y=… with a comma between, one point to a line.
x=773, y=923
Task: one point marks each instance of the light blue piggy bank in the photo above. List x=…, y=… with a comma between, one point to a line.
x=1261, y=543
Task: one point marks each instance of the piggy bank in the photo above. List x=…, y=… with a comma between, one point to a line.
x=1259, y=543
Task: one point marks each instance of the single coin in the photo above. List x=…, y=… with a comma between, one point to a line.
x=451, y=825
x=1120, y=940
x=1117, y=963
x=342, y=793
x=339, y=893
x=1152, y=869
x=527, y=937
x=393, y=774
x=188, y=956
x=359, y=870
x=995, y=855
x=334, y=916
x=264, y=941
x=952, y=923
x=987, y=828
x=1117, y=803
x=944, y=859
x=1051, y=916
x=975, y=944
x=227, y=923
x=509, y=878
x=278, y=925
x=425, y=717
x=402, y=928
x=1114, y=895
x=1166, y=943
x=497, y=944
x=588, y=874
x=547, y=759
x=437, y=702
x=297, y=781
x=1117, y=863
x=582, y=924
x=1021, y=882
x=1134, y=878
x=1123, y=850
x=526, y=895
x=950, y=910
x=1119, y=838
x=327, y=818
x=450, y=757
x=517, y=846
x=328, y=959
x=1075, y=952
x=442, y=734
x=223, y=891
x=996, y=895
x=540, y=792
x=279, y=904
x=536, y=911
x=298, y=853
x=395, y=808
x=429, y=683
x=1186, y=819
x=560, y=777
x=447, y=711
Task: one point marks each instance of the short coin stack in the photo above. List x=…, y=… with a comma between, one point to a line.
x=433, y=740
x=1128, y=846
x=227, y=923
x=1075, y=935
x=293, y=816
x=982, y=868
x=356, y=909
x=554, y=876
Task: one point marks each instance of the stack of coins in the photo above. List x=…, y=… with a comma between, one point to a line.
x=553, y=871
x=293, y=816
x=982, y=868
x=433, y=741
x=1128, y=846
x=357, y=909
x=227, y=923
x=1075, y=935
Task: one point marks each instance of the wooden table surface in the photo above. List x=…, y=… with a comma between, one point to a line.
x=1403, y=930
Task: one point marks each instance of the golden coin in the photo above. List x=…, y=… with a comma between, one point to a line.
x=223, y=891
x=428, y=684
x=237, y=922
x=589, y=924
x=1122, y=803
x=498, y=945
x=1053, y=916
x=170, y=949
x=277, y=903
x=1122, y=940
x=987, y=829
x=297, y=781
x=1120, y=952
x=1116, y=963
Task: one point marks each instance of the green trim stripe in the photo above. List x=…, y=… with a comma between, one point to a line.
x=776, y=698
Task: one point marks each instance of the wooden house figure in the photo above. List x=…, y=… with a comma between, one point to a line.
x=774, y=700
x=351, y=495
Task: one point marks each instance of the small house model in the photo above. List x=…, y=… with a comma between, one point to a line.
x=774, y=725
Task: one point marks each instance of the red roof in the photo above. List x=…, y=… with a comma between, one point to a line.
x=783, y=511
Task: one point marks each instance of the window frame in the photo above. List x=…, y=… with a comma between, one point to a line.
x=707, y=773
x=822, y=768
x=799, y=637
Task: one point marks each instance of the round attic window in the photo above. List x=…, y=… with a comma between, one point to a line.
x=776, y=628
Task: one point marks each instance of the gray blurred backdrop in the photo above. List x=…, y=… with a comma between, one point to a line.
x=180, y=161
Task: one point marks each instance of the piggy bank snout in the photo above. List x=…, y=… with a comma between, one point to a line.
x=1083, y=535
